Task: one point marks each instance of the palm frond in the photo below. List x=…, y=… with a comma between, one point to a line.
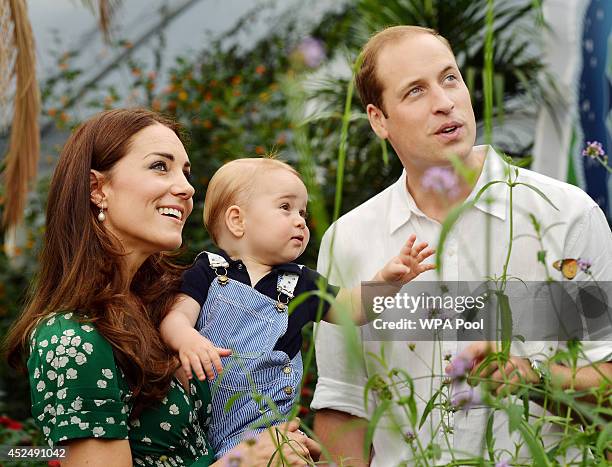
x=24, y=146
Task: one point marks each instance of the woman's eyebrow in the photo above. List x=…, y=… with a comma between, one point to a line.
x=167, y=156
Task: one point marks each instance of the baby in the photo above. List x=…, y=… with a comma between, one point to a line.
x=255, y=212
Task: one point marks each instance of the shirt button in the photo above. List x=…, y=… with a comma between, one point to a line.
x=287, y=370
x=288, y=390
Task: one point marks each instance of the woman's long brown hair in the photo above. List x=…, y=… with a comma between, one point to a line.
x=80, y=263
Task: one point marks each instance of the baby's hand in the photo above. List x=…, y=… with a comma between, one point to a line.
x=408, y=264
x=198, y=354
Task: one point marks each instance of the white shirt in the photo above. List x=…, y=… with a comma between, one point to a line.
x=368, y=236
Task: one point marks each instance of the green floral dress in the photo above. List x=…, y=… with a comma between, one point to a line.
x=79, y=392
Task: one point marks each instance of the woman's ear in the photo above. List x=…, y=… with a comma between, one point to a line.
x=234, y=221
x=96, y=182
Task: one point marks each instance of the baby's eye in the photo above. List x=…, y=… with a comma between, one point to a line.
x=160, y=165
x=304, y=214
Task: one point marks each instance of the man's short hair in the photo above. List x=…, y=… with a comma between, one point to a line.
x=367, y=82
x=234, y=183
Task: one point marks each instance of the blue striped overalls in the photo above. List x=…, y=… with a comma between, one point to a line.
x=258, y=385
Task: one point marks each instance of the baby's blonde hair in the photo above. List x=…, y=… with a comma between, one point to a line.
x=232, y=184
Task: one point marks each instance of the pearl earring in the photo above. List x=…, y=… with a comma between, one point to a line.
x=101, y=215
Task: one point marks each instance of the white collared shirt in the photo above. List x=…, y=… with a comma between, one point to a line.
x=371, y=234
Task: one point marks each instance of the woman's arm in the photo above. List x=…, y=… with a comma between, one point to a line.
x=93, y=452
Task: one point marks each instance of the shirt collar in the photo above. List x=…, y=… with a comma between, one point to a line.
x=402, y=205
x=285, y=267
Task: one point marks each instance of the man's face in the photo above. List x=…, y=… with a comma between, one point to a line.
x=429, y=112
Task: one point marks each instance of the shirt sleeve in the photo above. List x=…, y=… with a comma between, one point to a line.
x=197, y=280
x=312, y=279
x=341, y=377
x=590, y=238
x=74, y=381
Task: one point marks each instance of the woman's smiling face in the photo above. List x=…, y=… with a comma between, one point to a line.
x=147, y=194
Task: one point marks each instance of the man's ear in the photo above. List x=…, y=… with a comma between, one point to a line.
x=378, y=121
x=96, y=184
x=234, y=221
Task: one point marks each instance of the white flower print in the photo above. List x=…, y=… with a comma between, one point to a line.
x=77, y=404
x=80, y=358
x=60, y=380
x=51, y=321
x=60, y=409
x=41, y=417
x=135, y=423
x=110, y=420
x=84, y=425
x=165, y=426
x=98, y=431
x=60, y=350
x=209, y=408
x=51, y=375
x=61, y=393
x=65, y=340
x=100, y=402
x=49, y=356
x=36, y=373
x=75, y=341
x=61, y=363
x=174, y=410
x=107, y=373
x=40, y=386
x=88, y=347
x=64, y=423
x=87, y=328
x=48, y=395
x=75, y=420
x=44, y=343
x=101, y=383
x=197, y=404
x=67, y=315
x=68, y=332
x=54, y=339
x=71, y=352
x=46, y=430
x=146, y=439
x=71, y=373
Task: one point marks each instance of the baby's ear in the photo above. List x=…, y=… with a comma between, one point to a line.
x=234, y=221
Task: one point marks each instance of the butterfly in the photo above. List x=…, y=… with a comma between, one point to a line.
x=567, y=266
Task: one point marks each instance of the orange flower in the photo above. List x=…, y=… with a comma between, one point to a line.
x=260, y=150
x=182, y=96
x=156, y=105
x=208, y=96
x=218, y=110
x=260, y=70
x=136, y=72
x=282, y=139
x=207, y=124
x=64, y=117
x=236, y=80
x=52, y=111
x=236, y=92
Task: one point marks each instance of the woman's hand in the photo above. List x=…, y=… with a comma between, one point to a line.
x=279, y=445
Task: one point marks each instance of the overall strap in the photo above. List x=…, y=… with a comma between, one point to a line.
x=219, y=264
x=286, y=286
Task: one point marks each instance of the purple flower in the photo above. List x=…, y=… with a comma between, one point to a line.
x=465, y=398
x=594, y=149
x=503, y=463
x=409, y=436
x=584, y=264
x=441, y=180
x=459, y=367
x=311, y=51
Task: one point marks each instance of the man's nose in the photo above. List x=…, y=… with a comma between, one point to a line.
x=442, y=103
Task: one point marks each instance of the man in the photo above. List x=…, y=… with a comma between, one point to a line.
x=415, y=98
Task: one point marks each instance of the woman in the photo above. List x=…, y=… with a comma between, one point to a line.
x=102, y=382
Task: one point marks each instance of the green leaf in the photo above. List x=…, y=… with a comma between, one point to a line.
x=378, y=413
x=604, y=439
x=542, y=256
x=489, y=436
x=506, y=320
x=535, y=446
x=515, y=416
x=429, y=407
x=539, y=192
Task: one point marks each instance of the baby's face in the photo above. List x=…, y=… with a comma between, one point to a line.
x=275, y=218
